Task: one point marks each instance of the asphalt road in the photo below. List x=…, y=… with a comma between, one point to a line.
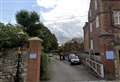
x=61, y=71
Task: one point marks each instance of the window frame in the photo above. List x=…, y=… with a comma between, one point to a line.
x=91, y=27
x=96, y=4
x=91, y=44
x=116, y=17
x=97, y=22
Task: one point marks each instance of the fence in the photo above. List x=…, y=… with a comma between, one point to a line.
x=96, y=67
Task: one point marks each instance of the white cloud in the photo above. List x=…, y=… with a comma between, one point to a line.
x=67, y=17
x=66, y=8
x=47, y=3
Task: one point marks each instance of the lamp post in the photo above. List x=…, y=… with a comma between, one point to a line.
x=18, y=77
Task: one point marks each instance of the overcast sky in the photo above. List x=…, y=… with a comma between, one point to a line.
x=65, y=18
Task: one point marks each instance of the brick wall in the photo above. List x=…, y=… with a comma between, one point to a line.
x=86, y=37
x=33, y=68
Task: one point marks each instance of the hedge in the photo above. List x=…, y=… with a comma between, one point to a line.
x=44, y=75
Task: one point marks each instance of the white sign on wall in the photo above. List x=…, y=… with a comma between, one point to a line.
x=33, y=55
x=109, y=55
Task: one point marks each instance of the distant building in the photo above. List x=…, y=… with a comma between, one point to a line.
x=102, y=34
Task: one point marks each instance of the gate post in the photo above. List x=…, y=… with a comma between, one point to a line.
x=33, y=68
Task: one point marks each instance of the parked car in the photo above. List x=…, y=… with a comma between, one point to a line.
x=71, y=56
x=50, y=55
x=74, y=60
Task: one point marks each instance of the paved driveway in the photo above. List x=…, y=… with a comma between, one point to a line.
x=63, y=72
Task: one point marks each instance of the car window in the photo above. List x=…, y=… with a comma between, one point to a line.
x=75, y=57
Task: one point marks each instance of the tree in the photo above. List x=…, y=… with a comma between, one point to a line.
x=27, y=20
x=31, y=25
x=23, y=18
x=9, y=36
x=34, y=17
x=49, y=40
x=74, y=45
x=1, y=24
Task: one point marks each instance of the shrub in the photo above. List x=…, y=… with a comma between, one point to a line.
x=44, y=75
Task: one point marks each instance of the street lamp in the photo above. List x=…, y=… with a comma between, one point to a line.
x=18, y=77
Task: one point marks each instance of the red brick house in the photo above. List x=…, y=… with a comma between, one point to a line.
x=102, y=34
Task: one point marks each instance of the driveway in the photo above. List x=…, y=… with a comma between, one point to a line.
x=61, y=71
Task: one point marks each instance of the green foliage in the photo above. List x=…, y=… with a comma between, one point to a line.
x=49, y=39
x=44, y=72
x=29, y=20
x=9, y=36
x=72, y=46
x=34, y=17
x=23, y=18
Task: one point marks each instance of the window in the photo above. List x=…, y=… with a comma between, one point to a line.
x=91, y=28
x=91, y=44
x=116, y=15
x=97, y=22
x=96, y=5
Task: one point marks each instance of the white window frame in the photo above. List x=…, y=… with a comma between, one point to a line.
x=91, y=28
x=91, y=44
x=97, y=22
x=116, y=15
x=96, y=5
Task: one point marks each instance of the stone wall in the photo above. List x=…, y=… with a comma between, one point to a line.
x=8, y=63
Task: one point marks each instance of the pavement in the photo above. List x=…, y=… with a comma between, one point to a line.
x=61, y=71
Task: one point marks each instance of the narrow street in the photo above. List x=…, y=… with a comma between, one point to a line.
x=64, y=72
